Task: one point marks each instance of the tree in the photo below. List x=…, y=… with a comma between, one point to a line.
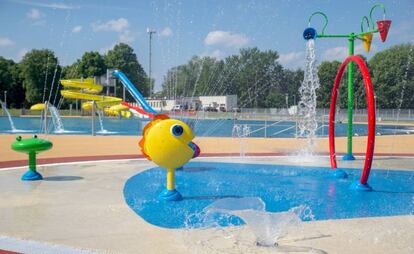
x=11, y=82
x=91, y=64
x=327, y=73
x=293, y=80
x=199, y=76
x=258, y=74
x=393, y=76
x=123, y=58
x=40, y=72
x=71, y=71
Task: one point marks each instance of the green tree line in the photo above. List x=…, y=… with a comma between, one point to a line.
x=258, y=79
x=255, y=76
x=36, y=77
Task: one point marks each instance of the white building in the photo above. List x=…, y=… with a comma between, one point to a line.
x=226, y=102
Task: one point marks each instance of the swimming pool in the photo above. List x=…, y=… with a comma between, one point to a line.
x=280, y=187
x=203, y=128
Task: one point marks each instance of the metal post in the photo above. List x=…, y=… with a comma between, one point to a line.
x=349, y=155
x=287, y=101
x=296, y=126
x=150, y=32
x=107, y=82
x=45, y=118
x=5, y=99
x=32, y=161
x=102, y=107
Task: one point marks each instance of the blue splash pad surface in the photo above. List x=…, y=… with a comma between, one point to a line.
x=280, y=187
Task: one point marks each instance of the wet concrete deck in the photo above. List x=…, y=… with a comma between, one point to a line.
x=82, y=206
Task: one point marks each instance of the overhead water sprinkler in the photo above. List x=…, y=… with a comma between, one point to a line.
x=366, y=38
x=309, y=33
x=383, y=26
x=31, y=146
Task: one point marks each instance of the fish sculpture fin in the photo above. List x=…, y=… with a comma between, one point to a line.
x=157, y=118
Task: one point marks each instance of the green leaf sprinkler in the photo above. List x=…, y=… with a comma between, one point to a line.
x=31, y=146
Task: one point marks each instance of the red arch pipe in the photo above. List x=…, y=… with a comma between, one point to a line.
x=371, y=115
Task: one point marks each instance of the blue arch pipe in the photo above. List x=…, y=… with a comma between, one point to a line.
x=134, y=92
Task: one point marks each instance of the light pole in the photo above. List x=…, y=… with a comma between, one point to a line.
x=150, y=32
x=287, y=101
x=5, y=99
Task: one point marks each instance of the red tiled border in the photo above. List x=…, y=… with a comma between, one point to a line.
x=19, y=163
x=8, y=252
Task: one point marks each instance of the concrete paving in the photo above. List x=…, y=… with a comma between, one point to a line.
x=82, y=206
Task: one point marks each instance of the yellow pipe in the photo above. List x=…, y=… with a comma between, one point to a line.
x=170, y=179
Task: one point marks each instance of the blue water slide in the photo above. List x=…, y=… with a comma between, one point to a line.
x=133, y=90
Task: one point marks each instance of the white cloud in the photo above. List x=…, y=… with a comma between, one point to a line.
x=126, y=37
x=76, y=29
x=47, y=5
x=292, y=59
x=340, y=53
x=114, y=25
x=166, y=32
x=6, y=42
x=34, y=14
x=226, y=39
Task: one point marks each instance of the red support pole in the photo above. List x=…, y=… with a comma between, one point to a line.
x=371, y=115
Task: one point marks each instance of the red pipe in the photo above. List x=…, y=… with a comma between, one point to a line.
x=371, y=115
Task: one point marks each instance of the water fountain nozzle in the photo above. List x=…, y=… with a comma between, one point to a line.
x=310, y=33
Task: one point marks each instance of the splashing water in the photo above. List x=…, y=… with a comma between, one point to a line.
x=263, y=229
x=307, y=103
x=267, y=227
x=3, y=106
x=100, y=117
x=56, y=119
x=241, y=131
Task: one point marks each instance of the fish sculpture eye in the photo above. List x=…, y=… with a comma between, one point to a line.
x=177, y=130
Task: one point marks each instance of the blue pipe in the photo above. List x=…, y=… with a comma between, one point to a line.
x=134, y=92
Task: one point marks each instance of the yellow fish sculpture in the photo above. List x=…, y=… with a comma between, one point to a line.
x=168, y=143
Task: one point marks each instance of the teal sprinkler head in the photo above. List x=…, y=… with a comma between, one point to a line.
x=309, y=33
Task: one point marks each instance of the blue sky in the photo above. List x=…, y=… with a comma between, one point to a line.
x=186, y=28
